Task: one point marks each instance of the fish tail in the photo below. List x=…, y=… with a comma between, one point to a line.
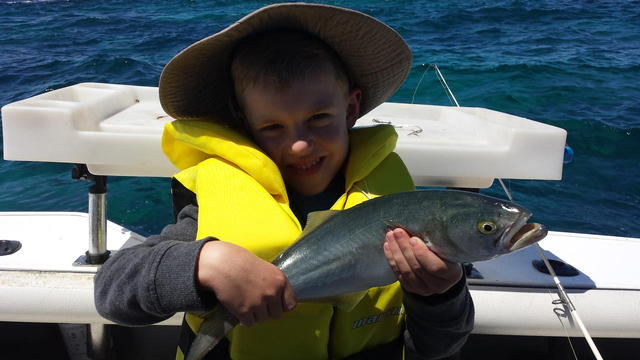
x=215, y=326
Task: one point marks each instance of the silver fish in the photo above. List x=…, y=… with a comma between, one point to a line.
x=340, y=254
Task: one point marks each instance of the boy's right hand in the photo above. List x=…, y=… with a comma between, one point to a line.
x=252, y=289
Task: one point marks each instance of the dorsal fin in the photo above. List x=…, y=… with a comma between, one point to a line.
x=317, y=218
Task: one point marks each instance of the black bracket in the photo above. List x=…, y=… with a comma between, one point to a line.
x=81, y=172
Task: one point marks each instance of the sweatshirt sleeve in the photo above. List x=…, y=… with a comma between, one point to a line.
x=437, y=326
x=150, y=282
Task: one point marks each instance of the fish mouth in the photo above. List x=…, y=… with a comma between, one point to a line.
x=527, y=234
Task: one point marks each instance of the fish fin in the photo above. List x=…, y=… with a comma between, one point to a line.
x=344, y=302
x=393, y=225
x=215, y=326
x=317, y=218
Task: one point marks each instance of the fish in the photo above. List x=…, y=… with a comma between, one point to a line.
x=340, y=253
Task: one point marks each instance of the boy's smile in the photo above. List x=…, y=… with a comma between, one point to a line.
x=303, y=127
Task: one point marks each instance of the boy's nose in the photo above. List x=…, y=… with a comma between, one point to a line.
x=301, y=146
x=301, y=143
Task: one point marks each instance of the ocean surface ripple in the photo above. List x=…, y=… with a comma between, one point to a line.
x=572, y=64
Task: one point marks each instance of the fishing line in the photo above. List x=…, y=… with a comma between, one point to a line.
x=555, y=279
x=572, y=309
x=564, y=297
x=444, y=84
x=442, y=81
x=413, y=98
x=566, y=332
x=364, y=192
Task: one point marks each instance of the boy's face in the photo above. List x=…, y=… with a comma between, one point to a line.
x=303, y=128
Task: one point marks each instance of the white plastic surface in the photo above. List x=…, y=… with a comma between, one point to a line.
x=469, y=147
x=604, y=262
x=39, y=284
x=52, y=241
x=116, y=129
x=532, y=312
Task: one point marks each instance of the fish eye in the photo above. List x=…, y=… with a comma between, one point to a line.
x=487, y=227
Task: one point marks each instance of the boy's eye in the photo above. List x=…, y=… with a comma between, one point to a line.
x=271, y=127
x=320, y=119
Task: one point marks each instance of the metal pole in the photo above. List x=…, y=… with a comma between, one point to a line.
x=97, y=225
x=97, y=253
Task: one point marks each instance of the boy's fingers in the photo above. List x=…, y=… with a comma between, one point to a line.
x=419, y=269
x=408, y=247
x=402, y=266
x=441, y=274
x=392, y=251
x=246, y=319
x=389, y=256
x=289, y=300
x=261, y=313
x=242, y=317
x=388, y=253
x=429, y=261
x=275, y=307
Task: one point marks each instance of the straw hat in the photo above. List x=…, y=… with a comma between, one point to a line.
x=196, y=83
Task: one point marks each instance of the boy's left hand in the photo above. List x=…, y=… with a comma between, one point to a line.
x=419, y=269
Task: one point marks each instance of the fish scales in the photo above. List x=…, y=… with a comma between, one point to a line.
x=343, y=255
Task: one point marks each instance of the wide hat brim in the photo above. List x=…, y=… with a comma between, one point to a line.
x=196, y=83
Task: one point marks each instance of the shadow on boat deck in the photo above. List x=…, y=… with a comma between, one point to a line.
x=44, y=341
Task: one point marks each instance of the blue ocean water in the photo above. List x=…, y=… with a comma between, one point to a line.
x=572, y=64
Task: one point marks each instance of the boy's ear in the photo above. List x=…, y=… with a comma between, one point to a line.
x=353, y=107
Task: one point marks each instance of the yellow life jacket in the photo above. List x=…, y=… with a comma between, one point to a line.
x=242, y=199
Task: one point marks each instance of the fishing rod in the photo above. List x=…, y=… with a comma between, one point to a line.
x=564, y=297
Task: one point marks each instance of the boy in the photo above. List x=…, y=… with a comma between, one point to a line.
x=264, y=108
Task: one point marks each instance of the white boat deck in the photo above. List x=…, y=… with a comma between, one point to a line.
x=39, y=283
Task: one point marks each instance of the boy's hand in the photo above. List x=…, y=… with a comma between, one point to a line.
x=419, y=269
x=252, y=289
